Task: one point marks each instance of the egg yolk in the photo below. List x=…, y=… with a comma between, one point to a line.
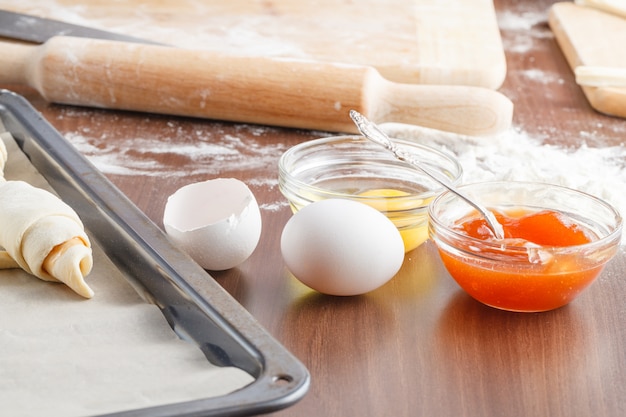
x=523, y=283
x=413, y=229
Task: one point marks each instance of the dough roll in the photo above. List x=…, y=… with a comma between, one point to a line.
x=43, y=235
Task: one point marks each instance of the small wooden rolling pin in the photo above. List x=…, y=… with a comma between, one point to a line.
x=281, y=92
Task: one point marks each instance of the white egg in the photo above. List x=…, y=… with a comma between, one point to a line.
x=341, y=247
x=217, y=222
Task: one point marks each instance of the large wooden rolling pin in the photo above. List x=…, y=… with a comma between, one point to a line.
x=281, y=92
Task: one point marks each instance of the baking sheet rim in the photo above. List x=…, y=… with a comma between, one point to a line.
x=280, y=378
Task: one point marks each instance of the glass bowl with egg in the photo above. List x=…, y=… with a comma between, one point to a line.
x=351, y=167
x=557, y=241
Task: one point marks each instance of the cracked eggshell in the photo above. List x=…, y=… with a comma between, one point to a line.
x=342, y=247
x=217, y=222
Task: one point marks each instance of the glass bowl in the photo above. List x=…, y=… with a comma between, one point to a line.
x=510, y=275
x=354, y=168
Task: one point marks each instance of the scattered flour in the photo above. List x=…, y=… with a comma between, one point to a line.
x=522, y=28
x=516, y=156
x=542, y=77
x=153, y=156
x=182, y=155
x=521, y=20
x=275, y=206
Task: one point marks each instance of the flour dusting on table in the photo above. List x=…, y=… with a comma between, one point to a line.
x=200, y=153
x=517, y=156
x=523, y=28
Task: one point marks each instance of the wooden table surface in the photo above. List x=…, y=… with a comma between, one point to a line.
x=418, y=346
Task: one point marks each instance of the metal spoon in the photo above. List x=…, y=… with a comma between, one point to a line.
x=376, y=135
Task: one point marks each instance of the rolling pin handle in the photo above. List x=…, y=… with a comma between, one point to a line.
x=468, y=110
x=14, y=59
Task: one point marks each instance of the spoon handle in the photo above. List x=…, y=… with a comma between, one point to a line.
x=376, y=135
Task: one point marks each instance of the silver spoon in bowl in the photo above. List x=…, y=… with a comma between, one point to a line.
x=372, y=132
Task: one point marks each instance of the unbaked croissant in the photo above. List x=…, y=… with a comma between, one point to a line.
x=42, y=235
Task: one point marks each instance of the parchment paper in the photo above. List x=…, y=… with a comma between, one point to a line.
x=62, y=355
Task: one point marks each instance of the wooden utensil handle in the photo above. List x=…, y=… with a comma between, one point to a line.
x=282, y=92
x=14, y=57
x=462, y=109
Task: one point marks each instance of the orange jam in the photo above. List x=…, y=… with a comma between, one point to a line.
x=546, y=228
x=524, y=272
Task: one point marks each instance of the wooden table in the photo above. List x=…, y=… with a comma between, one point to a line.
x=417, y=346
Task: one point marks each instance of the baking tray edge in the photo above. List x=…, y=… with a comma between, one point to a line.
x=194, y=304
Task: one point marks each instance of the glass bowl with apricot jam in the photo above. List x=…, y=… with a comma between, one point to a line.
x=354, y=168
x=557, y=241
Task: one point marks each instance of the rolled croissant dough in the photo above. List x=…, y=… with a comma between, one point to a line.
x=41, y=234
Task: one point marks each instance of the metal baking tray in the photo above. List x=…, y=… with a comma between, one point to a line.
x=195, y=305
